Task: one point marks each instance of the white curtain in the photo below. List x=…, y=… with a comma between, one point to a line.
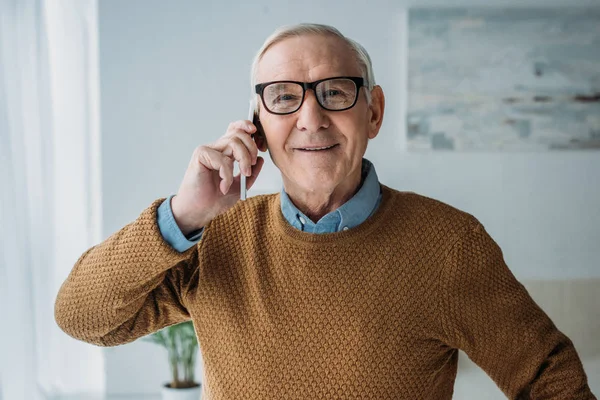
x=50, y=208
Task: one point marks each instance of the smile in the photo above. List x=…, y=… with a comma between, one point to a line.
x=317, y=148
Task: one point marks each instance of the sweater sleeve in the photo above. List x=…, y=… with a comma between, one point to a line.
x=130, y=285
x=489, y=315
x=171, y=232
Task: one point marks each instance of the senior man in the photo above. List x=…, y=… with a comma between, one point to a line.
x=338, y=287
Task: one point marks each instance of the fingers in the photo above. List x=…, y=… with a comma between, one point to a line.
x=217, y=161
x=238, y=150
x=226, y=175
x=255, y=171
x=235, y=188
x=238, y=143
x=243, y=124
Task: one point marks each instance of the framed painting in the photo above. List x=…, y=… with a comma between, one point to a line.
x=503, y=79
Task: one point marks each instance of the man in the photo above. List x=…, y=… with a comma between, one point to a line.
x=339, y=286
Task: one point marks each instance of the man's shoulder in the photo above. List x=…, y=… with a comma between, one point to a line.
x=421, y=210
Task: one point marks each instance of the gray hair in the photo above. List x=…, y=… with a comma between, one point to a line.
x=285, y=32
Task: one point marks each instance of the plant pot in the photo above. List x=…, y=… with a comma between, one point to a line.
x=192, y=393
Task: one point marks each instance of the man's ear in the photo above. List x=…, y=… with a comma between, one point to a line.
x=259, y=137
x=376, y=109
x=261, y=142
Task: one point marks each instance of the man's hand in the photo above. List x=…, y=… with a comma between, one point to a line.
x=209, y=187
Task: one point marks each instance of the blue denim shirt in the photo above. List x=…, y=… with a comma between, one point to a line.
x=352, y=213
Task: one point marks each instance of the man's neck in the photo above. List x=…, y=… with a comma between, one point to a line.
x=315, y=205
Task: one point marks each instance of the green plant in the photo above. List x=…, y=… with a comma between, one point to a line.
x=182, y=345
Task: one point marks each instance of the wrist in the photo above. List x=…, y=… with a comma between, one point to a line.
x=184, y=222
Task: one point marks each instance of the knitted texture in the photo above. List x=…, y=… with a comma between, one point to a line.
x=374, y=312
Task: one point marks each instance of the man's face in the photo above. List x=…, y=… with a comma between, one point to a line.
x=306, y=59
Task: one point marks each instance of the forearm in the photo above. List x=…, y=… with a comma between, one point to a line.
x=488, y=314
x=560, y=374
x=131, y=284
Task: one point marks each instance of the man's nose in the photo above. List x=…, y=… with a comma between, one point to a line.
x=311, y=116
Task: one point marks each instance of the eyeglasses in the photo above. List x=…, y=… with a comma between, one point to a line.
x=333, y=94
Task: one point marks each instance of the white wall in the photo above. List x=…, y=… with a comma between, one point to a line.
x=174, y=74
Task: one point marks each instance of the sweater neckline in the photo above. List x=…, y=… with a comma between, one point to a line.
x=287, y=231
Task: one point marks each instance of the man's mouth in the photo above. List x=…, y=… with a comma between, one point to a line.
x=317, y=148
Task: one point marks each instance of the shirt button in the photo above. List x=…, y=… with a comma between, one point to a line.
x=346, y=228
x=302, y=220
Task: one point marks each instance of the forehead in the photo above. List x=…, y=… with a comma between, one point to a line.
x=307, y=58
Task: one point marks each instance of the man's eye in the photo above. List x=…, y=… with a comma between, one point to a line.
x=336, y=94
x=285, y=98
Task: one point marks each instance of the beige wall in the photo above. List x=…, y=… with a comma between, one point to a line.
x=574, y=306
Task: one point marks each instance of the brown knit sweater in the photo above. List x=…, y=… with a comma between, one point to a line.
x=375, y=312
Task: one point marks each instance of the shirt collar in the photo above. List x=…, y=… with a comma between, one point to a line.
x=352, y=213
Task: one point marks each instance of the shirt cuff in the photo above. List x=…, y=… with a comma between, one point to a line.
x=170, y=230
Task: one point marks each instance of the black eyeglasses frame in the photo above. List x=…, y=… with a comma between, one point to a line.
x=358, y=81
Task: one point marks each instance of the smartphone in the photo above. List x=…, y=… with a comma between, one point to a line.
x=260, y=139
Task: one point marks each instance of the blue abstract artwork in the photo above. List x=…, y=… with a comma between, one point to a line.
x=492, y=79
